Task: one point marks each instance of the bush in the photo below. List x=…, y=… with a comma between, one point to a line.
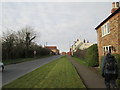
x=117, y=56
x=44, y=51
x=80, y=54
x=92, y=56
x=100, y=70
x=20, y=45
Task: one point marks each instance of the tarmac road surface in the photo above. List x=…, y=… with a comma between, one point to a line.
x=15, y=71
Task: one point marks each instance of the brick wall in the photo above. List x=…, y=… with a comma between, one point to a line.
x=113, y=38
x=119, y=34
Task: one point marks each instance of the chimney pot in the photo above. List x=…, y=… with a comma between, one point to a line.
x=115, y=6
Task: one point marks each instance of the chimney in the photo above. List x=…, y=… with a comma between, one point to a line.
x=84, y=41
x=115, y=6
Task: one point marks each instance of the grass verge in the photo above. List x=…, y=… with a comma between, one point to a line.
x=84, y=62
x=57, y=74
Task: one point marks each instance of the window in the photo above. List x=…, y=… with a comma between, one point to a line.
x=107, y=48
x=110, y=49
x=108, y=27
x=105, y=29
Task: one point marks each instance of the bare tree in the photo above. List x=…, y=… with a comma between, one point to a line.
x=21, y=44
x=8, y=41
x=26, y=36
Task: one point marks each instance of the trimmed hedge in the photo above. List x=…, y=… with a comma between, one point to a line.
x=80, y=54
x=117, y=56
x=92, y=56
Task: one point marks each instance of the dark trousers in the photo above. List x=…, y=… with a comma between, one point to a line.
x=110, y=80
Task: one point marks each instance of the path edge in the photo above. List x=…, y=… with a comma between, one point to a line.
x=78, y=73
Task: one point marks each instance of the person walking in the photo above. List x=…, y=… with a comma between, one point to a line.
x=110, y=70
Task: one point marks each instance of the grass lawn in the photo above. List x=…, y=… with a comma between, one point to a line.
x=57, y=74
x=84, y=62
x=14, y=61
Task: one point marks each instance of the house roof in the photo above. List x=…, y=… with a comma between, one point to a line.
x=117, y=11
x=51, y=47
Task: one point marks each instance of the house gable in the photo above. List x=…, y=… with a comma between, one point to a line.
x=110, y=41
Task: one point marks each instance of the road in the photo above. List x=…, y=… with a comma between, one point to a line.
x=15, y=71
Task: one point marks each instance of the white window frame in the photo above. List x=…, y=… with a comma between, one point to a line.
x=105, y=49
x=105, y=29
x=108, y=27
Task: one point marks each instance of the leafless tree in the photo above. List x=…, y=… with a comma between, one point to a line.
x=26, y=35
x=8, y=41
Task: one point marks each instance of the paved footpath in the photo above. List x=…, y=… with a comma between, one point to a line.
x=90, y=78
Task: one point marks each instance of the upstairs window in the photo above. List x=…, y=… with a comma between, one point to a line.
x=105, y=29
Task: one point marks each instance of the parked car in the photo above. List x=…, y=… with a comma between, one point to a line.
x=1, y=66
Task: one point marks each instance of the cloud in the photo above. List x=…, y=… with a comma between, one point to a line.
x=59, y=0
x=57, y=23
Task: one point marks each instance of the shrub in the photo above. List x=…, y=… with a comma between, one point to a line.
x=80, y=54
x=20, y=44
x=92, y=56
x=101, y=64
x=117, y=56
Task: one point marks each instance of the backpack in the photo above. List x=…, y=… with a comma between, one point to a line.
x=111, y=64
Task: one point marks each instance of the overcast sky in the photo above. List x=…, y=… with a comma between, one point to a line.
x=59, y=23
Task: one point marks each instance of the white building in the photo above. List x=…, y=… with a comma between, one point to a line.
x=80, y=45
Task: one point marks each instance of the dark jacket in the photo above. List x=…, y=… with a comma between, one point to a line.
x=104, y=70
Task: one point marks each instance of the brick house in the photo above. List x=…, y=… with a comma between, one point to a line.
x=53, y=49
x=108, y=32
x=64, y=53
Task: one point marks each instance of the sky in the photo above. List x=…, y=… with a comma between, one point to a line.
x=57, y=23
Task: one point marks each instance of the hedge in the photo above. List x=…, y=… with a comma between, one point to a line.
x=80, y=54
x=92, y=56
x=117, y=56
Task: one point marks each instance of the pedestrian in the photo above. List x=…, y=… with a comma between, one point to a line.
x=110, y=70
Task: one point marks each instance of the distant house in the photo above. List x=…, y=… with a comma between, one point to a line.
x=53, y=49
x=69, y=53
x=108, y=32
x=64, y=53
x=80, y=45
